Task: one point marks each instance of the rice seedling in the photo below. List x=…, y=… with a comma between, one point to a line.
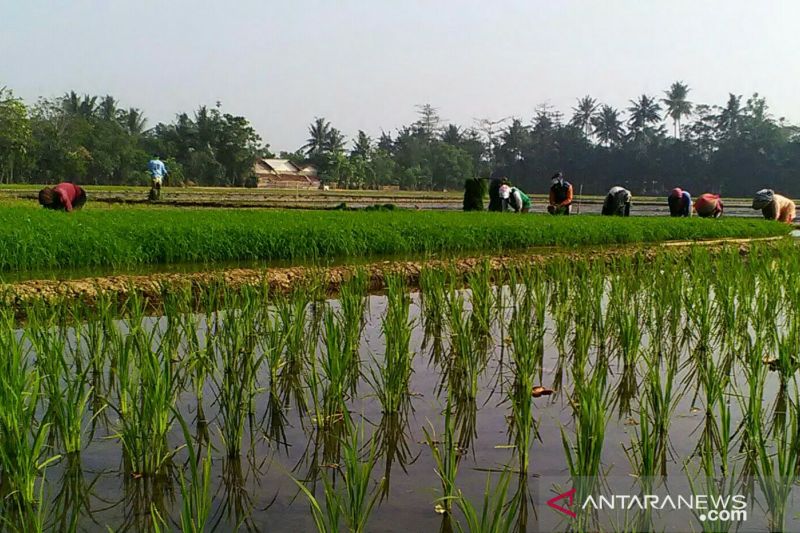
x=129, y=239
x=67, y=391
x=328, y=379
x=775, y=473
x=355, y=503
x=24, y=453
x=196, y=493
x=495, y=515
x=237, y=385
x=353, y=303
x=390, y=381
x=298, y=344
x=527, y=353
x=590, y=402
x=482, y=303
x=446, y=456
x=146, y=393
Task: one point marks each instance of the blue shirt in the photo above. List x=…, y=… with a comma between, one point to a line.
x=157, y=168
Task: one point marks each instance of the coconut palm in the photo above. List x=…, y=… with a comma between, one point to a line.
x=583, y=113
x=108, y=108
x=134, y=122
x=335, y=141
x=607, y=126
x=318, y=132
x=677, y=105
x=644, y=112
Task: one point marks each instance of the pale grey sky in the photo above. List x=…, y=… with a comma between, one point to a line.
x=365, y=64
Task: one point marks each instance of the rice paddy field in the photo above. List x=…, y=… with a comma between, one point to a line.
x=465, y=404
x=33, y=238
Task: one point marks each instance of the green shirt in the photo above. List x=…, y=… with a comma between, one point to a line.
x=526, y=201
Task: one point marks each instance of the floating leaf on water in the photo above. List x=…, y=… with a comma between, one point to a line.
x=538, y=391
x=631, y=422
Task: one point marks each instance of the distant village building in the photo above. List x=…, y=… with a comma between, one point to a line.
x=283, y=174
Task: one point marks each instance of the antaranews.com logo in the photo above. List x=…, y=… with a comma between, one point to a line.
x=715, y=508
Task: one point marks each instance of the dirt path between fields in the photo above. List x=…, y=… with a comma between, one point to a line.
x=152, y=286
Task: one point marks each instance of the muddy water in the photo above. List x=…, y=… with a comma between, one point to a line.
x=257, y=492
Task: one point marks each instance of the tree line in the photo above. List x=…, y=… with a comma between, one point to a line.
x=657, y=142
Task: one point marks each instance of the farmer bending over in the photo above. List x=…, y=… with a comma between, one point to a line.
x=680, y=203
x=66, y=196
x=560, y=195
x=157, y=170
x=708, y=206
x=515, y=199
x=617, y=202
x=774, y=206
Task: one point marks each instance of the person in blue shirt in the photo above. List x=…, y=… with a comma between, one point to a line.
x=158, y=170
x=680, y=203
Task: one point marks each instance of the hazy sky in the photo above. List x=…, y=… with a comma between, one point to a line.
x=365, y=64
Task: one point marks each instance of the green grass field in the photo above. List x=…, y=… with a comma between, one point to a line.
x=32, y=238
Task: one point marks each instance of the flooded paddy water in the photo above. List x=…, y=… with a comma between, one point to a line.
x=665, y=376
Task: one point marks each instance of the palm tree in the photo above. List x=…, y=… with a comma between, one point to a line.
x=108, y=108
x=644, y=112
x=134, y=121
x=318, y=132
x=608, y=126
x=583, y=113
x=677, y=105
x=335, y=141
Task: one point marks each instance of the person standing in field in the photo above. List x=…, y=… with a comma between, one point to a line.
x=66, y=196
x=560, y=195
x=708, y=206
x=158, y=170
x=680, y=203
x=774, y=206
x=617, y=202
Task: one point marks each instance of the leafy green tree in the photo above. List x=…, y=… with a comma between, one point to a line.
x=15, y=136
x=362, y=146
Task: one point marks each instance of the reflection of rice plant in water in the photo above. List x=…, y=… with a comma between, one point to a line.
x=353, y=504
x=496, y=515
x=394, y=370
x=236, y=378
x=23, y=438
x=526, y=337
x=196, y=492
x=590, y=402
x=446, y=455
x=774, y=462
x=146, y=392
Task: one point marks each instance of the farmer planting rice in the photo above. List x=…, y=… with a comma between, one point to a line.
x=514, y=198
x=708, y=206
x=680, y=203
x=617, y=202
x=66, y=196
x=560, y=195
x=774, y=206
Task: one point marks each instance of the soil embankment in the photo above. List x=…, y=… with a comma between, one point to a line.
x=153, y=286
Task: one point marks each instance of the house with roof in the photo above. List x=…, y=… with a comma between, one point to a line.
x=283, y=174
